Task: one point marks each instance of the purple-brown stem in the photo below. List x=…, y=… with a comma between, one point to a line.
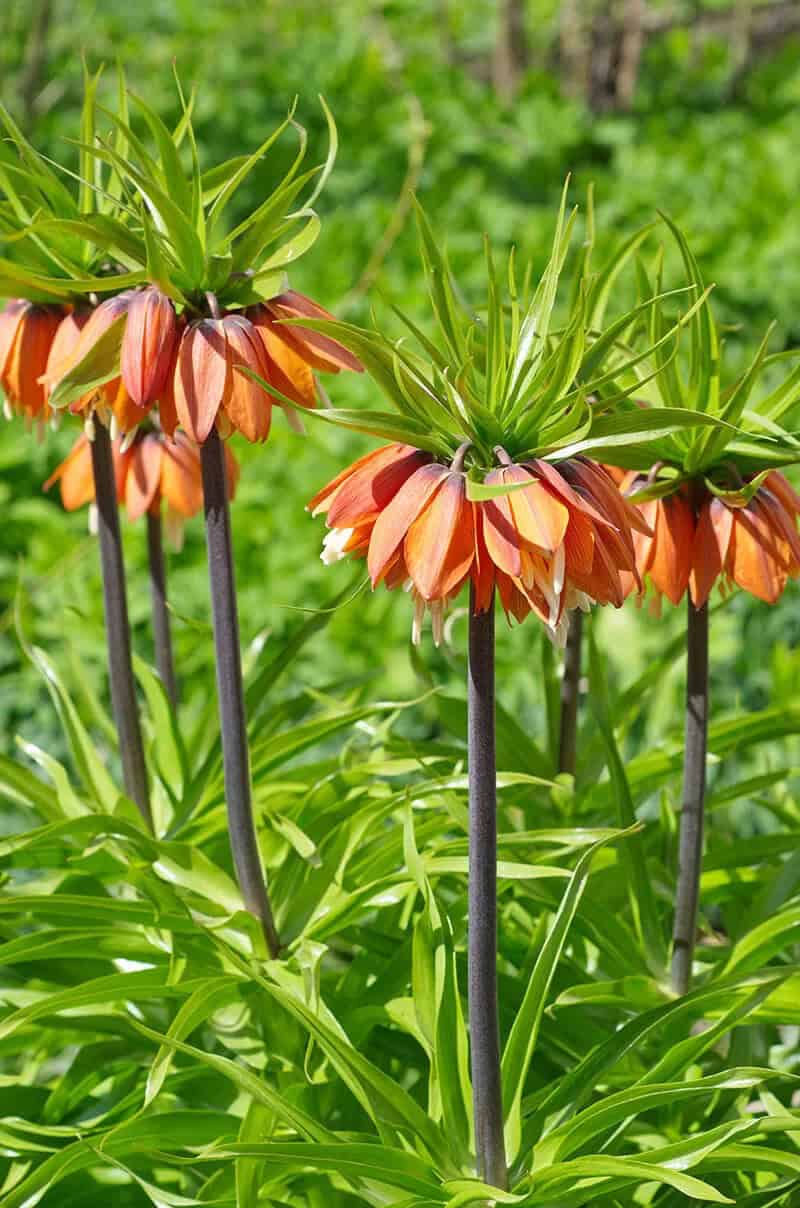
x=230, y=691
x=484, y=1027
x=118, y=635
x=690, y=843
x=162, y=635
x=570, y=688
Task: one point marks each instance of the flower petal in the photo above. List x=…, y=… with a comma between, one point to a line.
x=148, y=345
x=440, y=545
x=201, y=376
x=247, y=404
x=143, y=480
x=396, y=519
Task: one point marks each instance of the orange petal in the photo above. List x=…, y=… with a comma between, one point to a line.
x=286, y=368
x=755, y=558
x=11, y=316
x=181, y=476
x=710, y=550
x=148, y=345
x=322, y=500
x=247, y=404
x=671, y=560
x=483, y=569
x=499, y=530
x=440, y=544
x=320, y=351
x=143, y=479
x=27, y=358
x=396, y=519
x=367, y=491
x=201, y=376
x=539, y=517
x=75, y=475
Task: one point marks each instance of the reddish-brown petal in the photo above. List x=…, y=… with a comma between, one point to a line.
x=202, y=376
x=440, y=544
x=369, y=490
x=396, y=519
x=143, y=479
x=247, y=404
x=671, y=561
x=148, y=345
x=320, y=351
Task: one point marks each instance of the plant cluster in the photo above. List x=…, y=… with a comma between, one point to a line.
x=333, y=1023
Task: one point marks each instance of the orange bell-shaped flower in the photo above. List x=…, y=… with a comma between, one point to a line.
x=27, y=332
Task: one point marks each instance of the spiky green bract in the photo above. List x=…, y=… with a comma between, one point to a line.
x=187, y=243
x=61, y=243
x=528, y=372
x=753, y=411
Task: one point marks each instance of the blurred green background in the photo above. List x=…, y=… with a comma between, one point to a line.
x=482, y=109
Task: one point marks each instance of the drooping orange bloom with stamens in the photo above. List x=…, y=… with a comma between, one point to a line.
x=700, y=539
x=559, y=540
x=27, y=332
x=153, y=471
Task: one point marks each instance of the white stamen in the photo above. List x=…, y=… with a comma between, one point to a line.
x=333, y=545
x=173, y=529
x=419, y=616
x=93, y=519
x=437, y=620
x=55, y=421
x=113, y=427
x=557, y=583
x=8, y=410
x=127, y=440
x=88, y=427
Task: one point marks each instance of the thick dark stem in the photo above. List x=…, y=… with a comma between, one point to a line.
x=482, y=930
x=570, y=685
x=690, y=850
x=162, y=636
x=230, y=691
x=118, y=636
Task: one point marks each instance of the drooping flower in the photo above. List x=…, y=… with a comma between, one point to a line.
x=213, y=385
x=27, y=332
x=557, y=543
x=152, y=471
x=700, y=538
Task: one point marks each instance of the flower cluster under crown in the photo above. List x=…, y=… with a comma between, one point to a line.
x=558, y=539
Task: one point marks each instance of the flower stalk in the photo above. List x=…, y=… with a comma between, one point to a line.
x=162, y=635
x=120, y=664
x=230, y=691
x=482, y=920
x=570, y=690
x=690, y=844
